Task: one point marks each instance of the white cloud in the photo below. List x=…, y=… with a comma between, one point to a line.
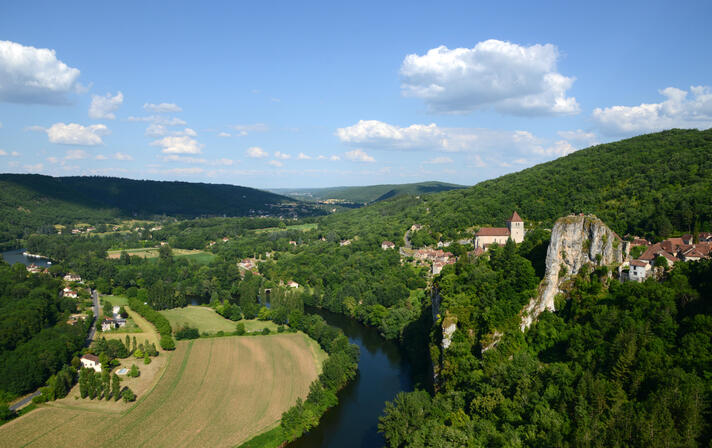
x=3, y=152
x=155, y=130
x=579, y=136
x=507, y=77
x=179, y=145
x=34, y=168
x=53, y=160
x=99, y=157
x=157, y=119
x=676, y=111
x=438, y=161
x=75, y=134
x=162, y=108
x=275, y=163
x=188, y=131
x=559, y=148
x=303, y=156
x=105, y=106
x=224, y=134
x=0, y=124
x=34, y=75
x=377, y=134
x=256, y=152
x=184, y=159
x=281, y=155
x=244, y=129
x=122, y=156
x=15, y=154
x=76, y=154
x=359, y=155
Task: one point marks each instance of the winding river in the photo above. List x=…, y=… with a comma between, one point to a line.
x=384, y=371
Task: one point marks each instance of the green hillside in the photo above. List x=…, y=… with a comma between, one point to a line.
x=32, y=203
x=369, y=193
x=658, y=183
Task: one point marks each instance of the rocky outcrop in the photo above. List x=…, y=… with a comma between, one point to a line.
x=576, y=241
x=449, y=326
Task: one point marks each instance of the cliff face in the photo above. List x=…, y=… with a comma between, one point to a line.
x=575, y=241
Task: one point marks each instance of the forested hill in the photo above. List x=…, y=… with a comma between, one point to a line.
x=660, y=182
x=369, y=193
x=29, y=202
x=656, y=183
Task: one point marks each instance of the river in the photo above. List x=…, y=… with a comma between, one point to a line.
x=384, y=371
x=15, y=256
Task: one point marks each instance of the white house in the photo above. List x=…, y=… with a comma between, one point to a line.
x=293, y=284
x=499, y=235
x=91, y=362
x=72, y=278
x=639, y=270
x=107, y=325
x=387, y=245
x=67, y=292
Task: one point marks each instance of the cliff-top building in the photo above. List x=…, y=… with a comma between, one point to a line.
x=490, y=235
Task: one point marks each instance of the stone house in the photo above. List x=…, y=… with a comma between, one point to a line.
x=639, y=270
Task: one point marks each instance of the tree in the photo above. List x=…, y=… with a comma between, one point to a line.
x=146, y=359
x=115, y=387
x=165, y=253
x=134, y=372
x=240, y=329
x=128, y=395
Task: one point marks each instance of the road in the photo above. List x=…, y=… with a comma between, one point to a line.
x=24, y=401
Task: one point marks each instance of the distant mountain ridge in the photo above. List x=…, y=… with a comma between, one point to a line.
x=367, y=194
x=29, y=202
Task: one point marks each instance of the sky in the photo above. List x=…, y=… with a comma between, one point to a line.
x=315, y=94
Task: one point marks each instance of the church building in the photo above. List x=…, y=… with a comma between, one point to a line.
x=490, y=235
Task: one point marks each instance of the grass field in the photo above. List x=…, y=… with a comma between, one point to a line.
x=217, y=392
x=302, y=227
x=152, y=252
x=206, y=320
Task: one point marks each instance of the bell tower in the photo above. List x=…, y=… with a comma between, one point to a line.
x=516, y=228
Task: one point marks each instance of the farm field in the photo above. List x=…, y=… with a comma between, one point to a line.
x=152, y=252
x=206, y=320
x=216, y=392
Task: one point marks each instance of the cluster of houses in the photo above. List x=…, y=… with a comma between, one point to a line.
x=438, y=257
x=224, y=240
x=34, y=269
x=673, y=250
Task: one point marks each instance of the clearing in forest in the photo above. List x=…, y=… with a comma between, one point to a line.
x=152, y=252
x=216, y=392
x=206, y=320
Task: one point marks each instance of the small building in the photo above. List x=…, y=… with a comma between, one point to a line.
x=115, y=309
x=292, y=243
x=639, y=270
x=387, y=245
x=225, y=240
x=345, y=243
x=120, y=323
x=68, y=292
x=108, y=324
x=72, y=278
x=293, y=284
x=90, y=361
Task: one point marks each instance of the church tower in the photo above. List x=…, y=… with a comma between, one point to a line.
x=516, y=228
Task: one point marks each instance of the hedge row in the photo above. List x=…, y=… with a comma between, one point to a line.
x=158, y=320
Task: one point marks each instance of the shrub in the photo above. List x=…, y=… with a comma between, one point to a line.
x=187, y=333
x=265, y=330
x=240, y=329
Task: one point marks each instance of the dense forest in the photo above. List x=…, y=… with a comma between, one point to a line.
x=35, y=340
x=618, y=365
x=33, y=203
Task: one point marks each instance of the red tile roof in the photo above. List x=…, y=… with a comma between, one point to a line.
x=91, y=357
x=515, y=218
x=638, y=263
x=493, y=231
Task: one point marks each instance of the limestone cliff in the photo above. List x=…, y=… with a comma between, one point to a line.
x=575, y=241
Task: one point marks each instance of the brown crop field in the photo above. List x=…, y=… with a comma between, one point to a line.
x=216, y=392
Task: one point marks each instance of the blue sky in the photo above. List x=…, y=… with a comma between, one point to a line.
x=290, y=94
